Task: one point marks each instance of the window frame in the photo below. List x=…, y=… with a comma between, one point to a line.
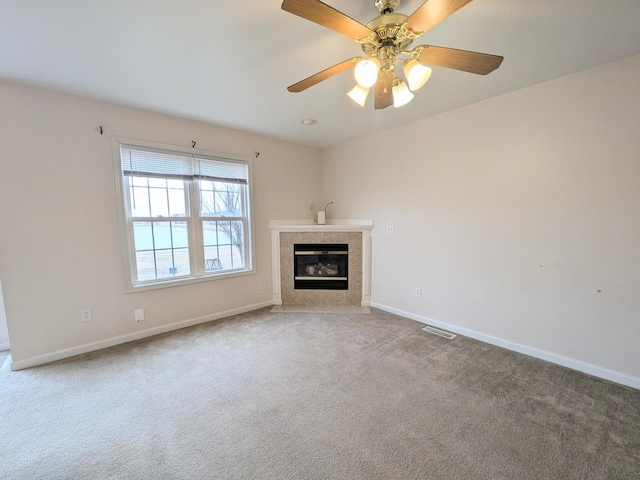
x=193, y=219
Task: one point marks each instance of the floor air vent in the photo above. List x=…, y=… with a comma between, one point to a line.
x=441, y=333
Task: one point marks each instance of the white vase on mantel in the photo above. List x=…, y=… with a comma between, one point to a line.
x=322, y=218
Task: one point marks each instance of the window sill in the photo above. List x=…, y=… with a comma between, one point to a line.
x=188, y=281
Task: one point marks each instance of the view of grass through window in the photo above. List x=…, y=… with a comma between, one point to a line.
x=187, y=215
x=161, y=228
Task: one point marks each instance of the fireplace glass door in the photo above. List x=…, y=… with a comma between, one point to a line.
x=321, y=266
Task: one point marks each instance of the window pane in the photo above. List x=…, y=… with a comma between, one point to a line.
x=139, y=181
x=207, y=208
x=143, y=236
x=161, y=249
x=164, y=264
x=209, y=234
x=207, y=203
x=237, y=257
x=224, y=245
x=172, y=263
x=229, y=203
x=224, y=233
x=170, y=235
x=157, y=182
x=140, y=202
x=220, y=199
x=237, y=232
x=212, y=259
x=181, y=261
x=162, y=234
x=177, y=207
x=163, y=198
x=146, y=266
x=159, y=202
x=237, y=242
x=180, y=234
x=206, y=185
x=225, y=256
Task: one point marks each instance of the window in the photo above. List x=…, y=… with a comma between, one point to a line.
x=186, y=216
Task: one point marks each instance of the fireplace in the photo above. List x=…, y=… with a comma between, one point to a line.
x=354, y=233
x=321, y=266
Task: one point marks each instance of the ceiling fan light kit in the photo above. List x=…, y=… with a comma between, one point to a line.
x=401, y=93
x=416, y=74
x=385, y=40
x=359, y=94
x=366, y=72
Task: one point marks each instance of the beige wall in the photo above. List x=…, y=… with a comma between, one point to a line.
x=518, y=216
x=4, y=334
x=59, y=233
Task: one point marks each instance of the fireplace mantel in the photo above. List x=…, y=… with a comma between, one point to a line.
x=311, y=226
x=363, y=227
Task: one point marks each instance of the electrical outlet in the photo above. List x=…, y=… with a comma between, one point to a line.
x=86, y=315
x=312, y=205
x=139, y=314
x=390, y=229
x=262, y=286
x=418, y=292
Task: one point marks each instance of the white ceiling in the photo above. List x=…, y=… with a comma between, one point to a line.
x=229, y=63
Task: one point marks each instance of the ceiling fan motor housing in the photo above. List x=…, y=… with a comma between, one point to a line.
x=386, y=6
x=390, y=30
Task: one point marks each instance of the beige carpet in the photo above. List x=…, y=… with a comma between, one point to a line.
x=314, y=396
x=320, y=309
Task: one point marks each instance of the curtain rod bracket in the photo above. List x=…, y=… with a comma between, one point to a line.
x=257, y=154
x=193, y=144
x=100, y=129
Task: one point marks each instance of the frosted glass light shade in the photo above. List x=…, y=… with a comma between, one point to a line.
x=366, y=72
x=401, y=95
x=358, y=94
x=416, y=74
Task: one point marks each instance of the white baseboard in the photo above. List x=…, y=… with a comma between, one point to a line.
x=596, y=371
x=5, y=364
x=110, y=342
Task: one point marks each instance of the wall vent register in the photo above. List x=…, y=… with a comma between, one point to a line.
x=321, y=266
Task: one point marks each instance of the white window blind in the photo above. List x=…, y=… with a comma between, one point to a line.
x=213, y=170
x=156, y=163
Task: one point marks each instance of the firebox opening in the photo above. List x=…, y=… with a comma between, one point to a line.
x=321, y=266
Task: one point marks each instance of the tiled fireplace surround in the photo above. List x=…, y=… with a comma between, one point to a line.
x=356, y=233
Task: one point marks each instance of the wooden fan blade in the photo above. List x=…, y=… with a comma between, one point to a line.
x=323, y=75
x=384, y=92
x=472, y=62
x=326, y=16
x=431, y=13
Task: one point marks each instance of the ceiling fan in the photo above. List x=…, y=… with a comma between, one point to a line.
x=385, y=40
